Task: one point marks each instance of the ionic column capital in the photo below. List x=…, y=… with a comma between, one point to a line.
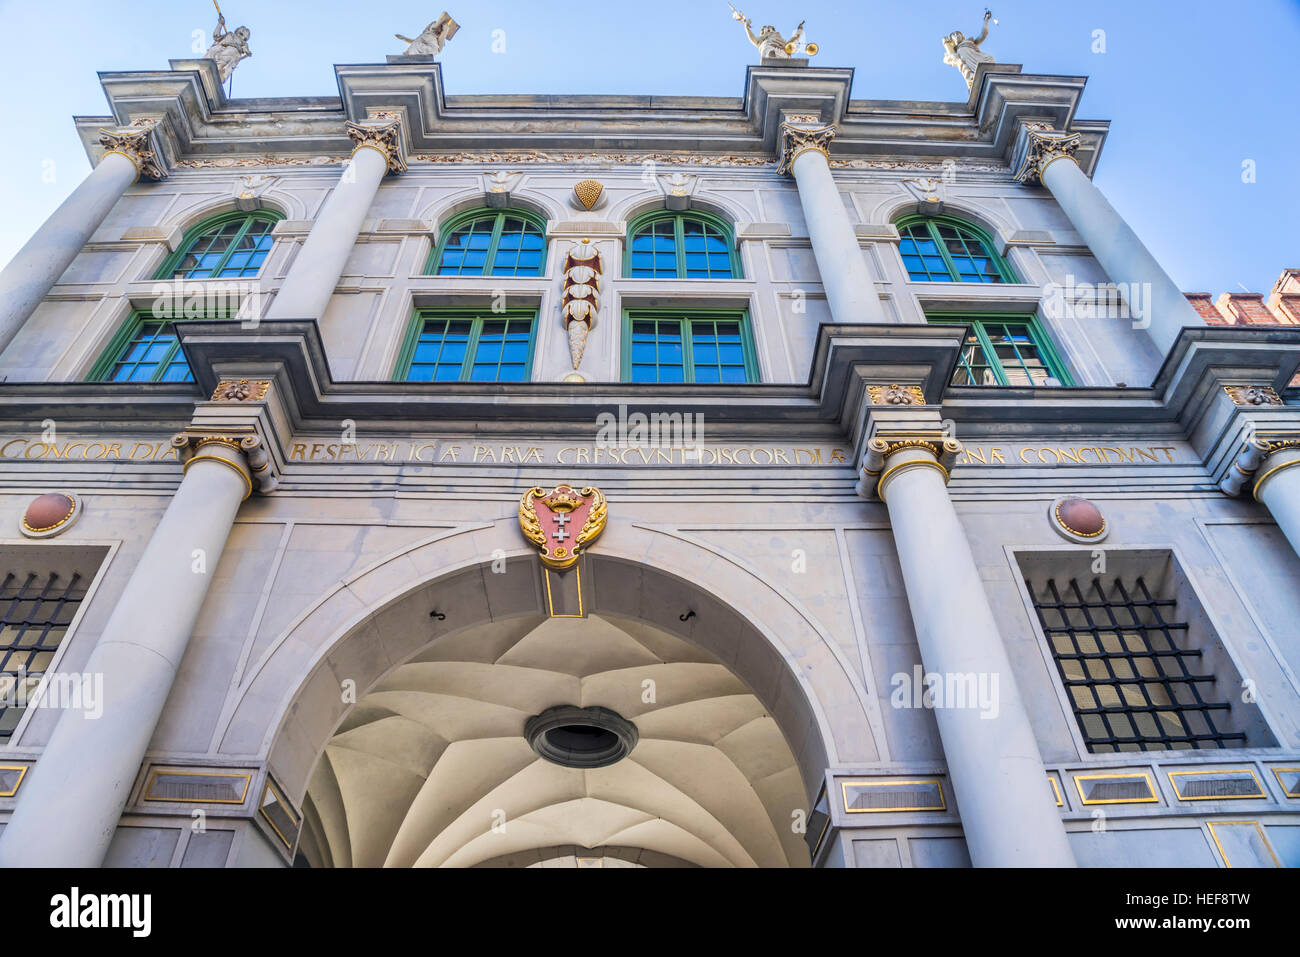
x=138, y=144
x=801, y=139
x=1038, y=146
x=888, y=454
x=382, y=132
x=241, y=451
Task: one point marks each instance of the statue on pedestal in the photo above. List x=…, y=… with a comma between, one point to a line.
x=434, y=37
x=228, y=47
x=770, y=43
x=964, y=53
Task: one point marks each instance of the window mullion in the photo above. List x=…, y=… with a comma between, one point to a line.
x=943, y=251
x=688, y=350
x=679, y=243
x=230, y=249
x=471, y=347
x=490, y=262
x=995, y=361
x=168, y=356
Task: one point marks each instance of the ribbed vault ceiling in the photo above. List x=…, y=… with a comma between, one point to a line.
x=434, y=755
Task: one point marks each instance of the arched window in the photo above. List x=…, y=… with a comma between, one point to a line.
x=942, y=249
x=232, y=246
x=671, y=245
x=487, y=243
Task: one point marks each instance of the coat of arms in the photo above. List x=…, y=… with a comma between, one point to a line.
x=561, y=521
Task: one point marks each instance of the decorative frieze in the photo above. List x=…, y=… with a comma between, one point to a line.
x=1253, y=394
x=545, y=156
x=896, y=395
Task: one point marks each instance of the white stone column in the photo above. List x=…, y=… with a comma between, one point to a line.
x=315, y=272
x=43, y=259
x=1007, y=812
x=846, y=279
x=1277, y=486
x=68, y=808
x=1048, y=157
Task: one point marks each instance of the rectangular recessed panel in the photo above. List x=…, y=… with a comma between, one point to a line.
x=198, y=787
x=1056, y=791
x=275, y=810
x=564, y=592
x=1216, y=785
x=818, y=821
x=11, y=775
x=1116, y=788
x=1289, y=779
x=875, y=797
x=1243, y=844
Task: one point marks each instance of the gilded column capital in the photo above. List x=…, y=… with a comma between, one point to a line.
x=801, y=139
x=382, y=132
x=1038, y=146
x=138, y=144
x=237, y=449
x=890, y=452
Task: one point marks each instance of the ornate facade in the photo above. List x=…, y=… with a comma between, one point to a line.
x=778, y=480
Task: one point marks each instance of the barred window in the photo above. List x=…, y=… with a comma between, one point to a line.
x=41, y=589
x=1140, y=674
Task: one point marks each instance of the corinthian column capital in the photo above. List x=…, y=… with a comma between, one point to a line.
x=801, y=139
x=382, y=132
x=137, y=143
x=1037, y=146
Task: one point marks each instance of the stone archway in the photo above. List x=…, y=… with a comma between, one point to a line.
x=289, y=706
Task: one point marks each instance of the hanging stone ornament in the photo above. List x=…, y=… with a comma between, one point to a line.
x=581, y=299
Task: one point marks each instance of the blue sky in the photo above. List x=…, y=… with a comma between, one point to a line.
x=1193, y=89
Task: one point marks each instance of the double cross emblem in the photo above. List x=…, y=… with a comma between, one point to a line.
x=561, y=520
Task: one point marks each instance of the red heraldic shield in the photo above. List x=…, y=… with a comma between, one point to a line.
x=560, y=522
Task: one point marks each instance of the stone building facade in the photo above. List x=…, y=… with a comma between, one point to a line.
x=775, y=480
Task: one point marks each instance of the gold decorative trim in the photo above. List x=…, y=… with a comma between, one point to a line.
x=587, y=192
x=922, y=463
x=1151, y=788
x=247, y=777
x=542, y=156
x=137, y=144
x=1074, y=531
x=384, y=136
x=1041, y=146
x=72, y=510
x=1259, y=787
x=796, y=141
x=248, y=481
x=1262, y=836
x=22, y=773
x=241, y=390
x=891, y=782
x=288, y=809
x=1278, y=772
x=1253, y=395
x=1056, y=790
x=550, y=602
x=896, y=394
x=1267, y=475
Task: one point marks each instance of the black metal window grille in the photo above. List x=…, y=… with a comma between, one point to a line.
x=1132, y=685
x=35, y=612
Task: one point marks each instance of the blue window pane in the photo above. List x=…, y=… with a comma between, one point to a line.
x=671, y=374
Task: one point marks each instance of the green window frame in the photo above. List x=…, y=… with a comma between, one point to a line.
x=1009, y=349
x=945, y=249
x=664, y=244
x=229, y=246
x=461, y=345
x=143, y=350
x=695, y=346
x=504, y=239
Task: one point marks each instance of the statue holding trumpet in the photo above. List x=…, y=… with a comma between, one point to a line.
x=770, y=43
x=228, y=47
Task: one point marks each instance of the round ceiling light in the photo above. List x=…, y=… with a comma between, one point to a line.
x=576, y=737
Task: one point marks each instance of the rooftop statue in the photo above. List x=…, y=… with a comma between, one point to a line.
x=228, y=47
x=434, y=37
x=770, y=43
x=964, y=53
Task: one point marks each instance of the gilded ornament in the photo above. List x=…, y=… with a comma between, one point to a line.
x=1253, y=394
x=587, y=192
x=562, y=521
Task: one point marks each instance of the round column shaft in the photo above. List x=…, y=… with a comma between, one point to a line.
x=68, y=808
x=1122, y=255
x=1277, y=486
x=850, y=293
x=43, y=259
x=315, y=272
x=1007, y=812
